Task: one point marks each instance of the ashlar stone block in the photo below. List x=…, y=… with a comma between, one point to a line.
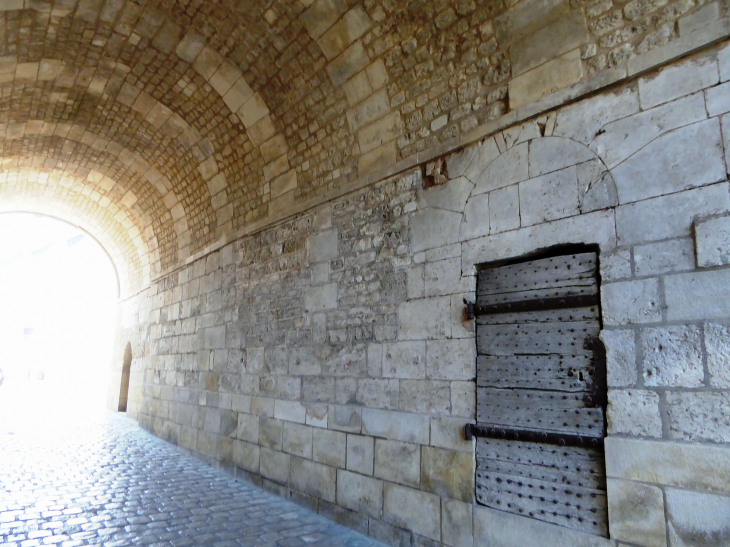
x=672, y=356
x=451, y=359
x=697, y=519
x=717, y=346
x=397, y=462
x=624, y=137
x=313, y=479
x=360, y=493
x=669, y=216
x=360, y=454
x=297, y=439
x=684, y=465
x=549, y=154
x=634, y=412
x=504, y=213
x=456, y=523
x=447, y=473
x=476, y=218
x=678, y=80
x=712, y=240
x=412, y=509
x=628, y=302
x=674, y=255
x=636, y=513
x=549, y=197
x=323, y=246
x=425, y=319
x=545, y=79
x=508, y=168
x=687, y=157
x=450, y=196
x=698, y=295
x=620, y=357
x=699, y=416
x=404, y=360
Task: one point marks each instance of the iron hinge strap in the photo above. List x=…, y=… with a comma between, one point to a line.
x=471, y=310
x=545, y=437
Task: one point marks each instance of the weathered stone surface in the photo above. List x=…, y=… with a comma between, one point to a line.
x=634, y=412
x=451, y=359
x=712, y=240
x=698, y=295
x=395, y=425
x=297, y=440
x=629, y=302
x=508, y=168
x=549, y=197
x=548, y=78
x=672, y=356
x=697, y=519
x=675, y=255
x=554, y=153
x=328, y=447
x=476, y=218
x=685, y=158
x=584, y=120
x=678, y=80
x=449, y=433
x=504, y=213
x=624, y=137
x=313, y=479
x=270, y=432
x=668, y=216
x=550, y=41
x=320, y=298
x=690, y=466
x=397, y=462
x=274, y=465
x=424, y=319
x=246, y=456
x=404, y=360
x=323, y=246
x=616, y=265
x=717, y=346
x=432, y=228
x=636, y=513
x=447, y=473
x=450, y=196
x=415, y=510
x=492, y=527
x=456, y=523
x=718, y=100
x=359, y=493
x=698, y=416
x=360, y=454
x=620, y=357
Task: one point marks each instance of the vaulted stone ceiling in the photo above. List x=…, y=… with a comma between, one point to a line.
x=166, y=126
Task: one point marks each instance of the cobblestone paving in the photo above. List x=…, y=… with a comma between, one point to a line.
x=107, y=482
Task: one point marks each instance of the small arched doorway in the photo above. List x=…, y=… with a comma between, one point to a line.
x=126, y=368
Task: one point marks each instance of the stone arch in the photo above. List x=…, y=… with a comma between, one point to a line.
x=224, y=77
x=110, y=230
x=525, y=181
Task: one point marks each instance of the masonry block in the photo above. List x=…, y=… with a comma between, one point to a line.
x=412, y=509
x=360, y=493
x=712, y=241
x=636, y=513
x=398, y=462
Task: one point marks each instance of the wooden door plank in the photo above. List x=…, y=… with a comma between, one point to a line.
x=536, y=338
x=569, y=315
x=553, y=372
x=536, y=274
x=578, y=508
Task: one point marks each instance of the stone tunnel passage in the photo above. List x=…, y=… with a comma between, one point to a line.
x=104, y=481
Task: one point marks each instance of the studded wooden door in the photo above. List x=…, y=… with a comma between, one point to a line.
x=541, y=392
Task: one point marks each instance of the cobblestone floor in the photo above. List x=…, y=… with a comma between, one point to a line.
x=98, y=479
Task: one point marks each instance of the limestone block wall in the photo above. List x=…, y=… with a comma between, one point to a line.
x=326, y=359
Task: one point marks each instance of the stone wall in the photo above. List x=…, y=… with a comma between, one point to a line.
x=326, y=359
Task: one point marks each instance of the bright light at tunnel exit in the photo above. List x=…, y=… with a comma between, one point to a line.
x=58, y=291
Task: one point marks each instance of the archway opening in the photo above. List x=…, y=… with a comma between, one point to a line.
x=58, y=293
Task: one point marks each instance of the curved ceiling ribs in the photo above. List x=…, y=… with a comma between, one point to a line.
x=178, y=138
